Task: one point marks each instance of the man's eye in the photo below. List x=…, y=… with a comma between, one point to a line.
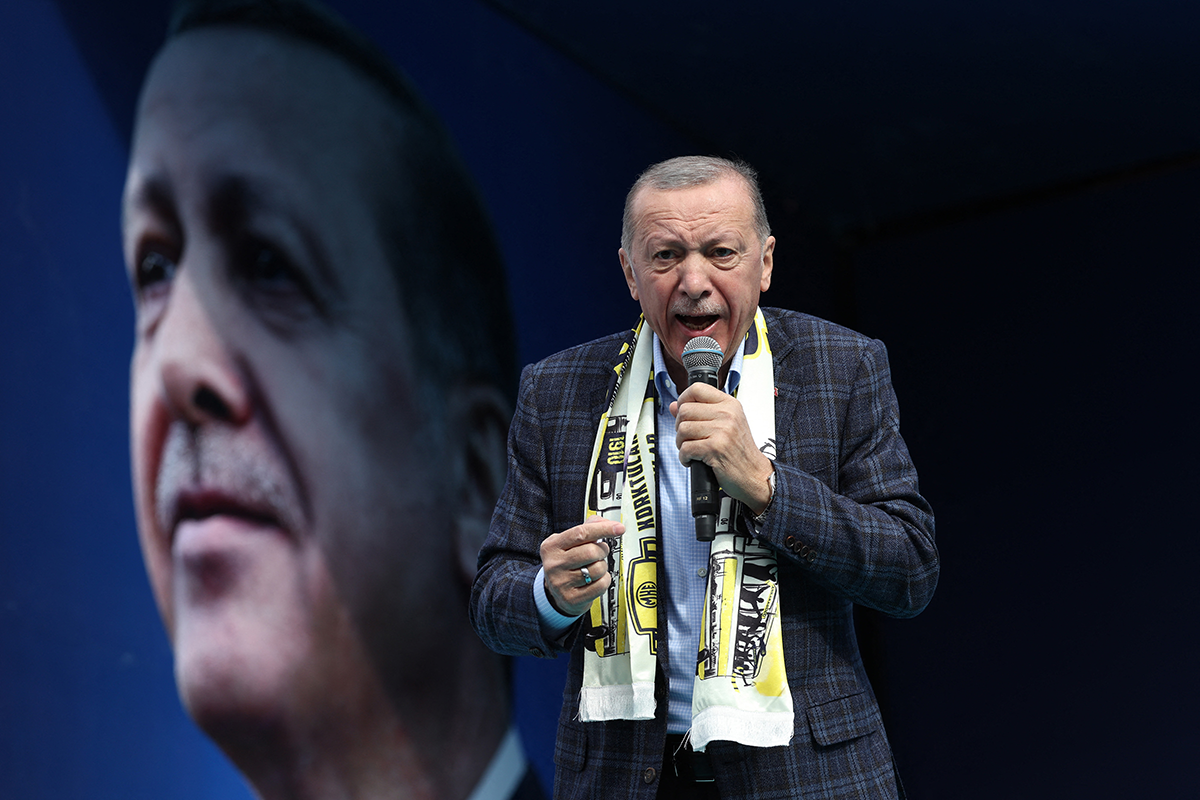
x=154, y=269
x=273, y=278
x=263, y=266
x=722, y=252
x=664, y=255
x=266, y=264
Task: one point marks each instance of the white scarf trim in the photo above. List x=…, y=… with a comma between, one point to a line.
x=741, y=692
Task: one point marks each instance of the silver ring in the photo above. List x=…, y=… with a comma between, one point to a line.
x=586, y=577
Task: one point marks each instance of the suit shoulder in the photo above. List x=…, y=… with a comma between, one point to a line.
x=788, y=329
x=579, y=371
x=600, y=354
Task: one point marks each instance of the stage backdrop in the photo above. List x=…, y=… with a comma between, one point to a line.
x=1042, y=348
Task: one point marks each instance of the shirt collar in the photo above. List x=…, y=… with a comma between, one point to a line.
x=666, y=387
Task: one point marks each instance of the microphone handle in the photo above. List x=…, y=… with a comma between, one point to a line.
x=706, y=499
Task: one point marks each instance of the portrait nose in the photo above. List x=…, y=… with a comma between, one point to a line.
x=201, y=380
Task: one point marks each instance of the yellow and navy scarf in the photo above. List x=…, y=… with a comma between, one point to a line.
x=741, y=692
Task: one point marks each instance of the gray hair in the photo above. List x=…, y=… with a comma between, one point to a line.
x=685, y=172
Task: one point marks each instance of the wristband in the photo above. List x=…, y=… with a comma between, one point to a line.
x=758, y=518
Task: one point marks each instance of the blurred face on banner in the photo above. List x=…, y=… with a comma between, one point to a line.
x=697, y=264
x=292, y=516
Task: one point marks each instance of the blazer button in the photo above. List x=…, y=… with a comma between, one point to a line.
x=536, y=652
x=649, y=775
x=789, y=542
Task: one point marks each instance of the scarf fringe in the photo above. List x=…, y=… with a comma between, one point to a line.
x=629, y=701
x=755, y=728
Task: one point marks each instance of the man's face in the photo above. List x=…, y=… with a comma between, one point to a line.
x=697, y=265
x=276, y=475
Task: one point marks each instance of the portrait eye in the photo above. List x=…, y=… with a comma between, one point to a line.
x=271, y=277
x=154, y=269
x=263, y=266
x=152, y=277
x=270, y=266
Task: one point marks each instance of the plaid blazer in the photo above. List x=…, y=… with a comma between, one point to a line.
x=847, y=522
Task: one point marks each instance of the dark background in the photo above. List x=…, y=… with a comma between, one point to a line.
x=1006, y=193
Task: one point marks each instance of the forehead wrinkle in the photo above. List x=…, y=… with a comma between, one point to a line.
x=682, y=205
x=674, y=229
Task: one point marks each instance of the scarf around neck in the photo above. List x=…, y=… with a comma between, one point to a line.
x=741, y=692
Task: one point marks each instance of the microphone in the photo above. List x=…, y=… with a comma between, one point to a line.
x=702, y=358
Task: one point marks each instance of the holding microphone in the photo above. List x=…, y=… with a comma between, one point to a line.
x=702, y=358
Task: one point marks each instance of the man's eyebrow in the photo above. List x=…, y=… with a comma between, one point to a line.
x=153, y=193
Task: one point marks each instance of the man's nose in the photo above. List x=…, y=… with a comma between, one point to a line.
x=200, y=376
x=694, y=278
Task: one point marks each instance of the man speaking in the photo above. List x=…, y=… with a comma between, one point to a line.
x=724, y=668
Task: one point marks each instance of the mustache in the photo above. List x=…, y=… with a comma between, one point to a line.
x=704, y=307
x=215, y=470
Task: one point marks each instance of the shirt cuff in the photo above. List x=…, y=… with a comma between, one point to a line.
x=553, y=623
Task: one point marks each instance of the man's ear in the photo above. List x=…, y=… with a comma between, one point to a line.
x=627, y=268
x=478, y=427
x=768, y=264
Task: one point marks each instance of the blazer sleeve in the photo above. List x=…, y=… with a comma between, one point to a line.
x=855, y=521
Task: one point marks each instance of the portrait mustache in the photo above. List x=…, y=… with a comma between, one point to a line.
x=209, y=470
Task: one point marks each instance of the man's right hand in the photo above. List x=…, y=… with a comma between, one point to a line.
x=565, y=554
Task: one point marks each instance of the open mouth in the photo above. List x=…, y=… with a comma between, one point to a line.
x=697, y=323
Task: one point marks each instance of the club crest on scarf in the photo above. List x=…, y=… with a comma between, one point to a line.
x=632, y=600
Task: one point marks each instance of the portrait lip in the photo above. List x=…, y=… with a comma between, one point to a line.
x=221, y=473
x=199, y=504
x=214, y=537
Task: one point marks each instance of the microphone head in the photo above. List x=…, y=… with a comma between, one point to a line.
x=702, y=352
